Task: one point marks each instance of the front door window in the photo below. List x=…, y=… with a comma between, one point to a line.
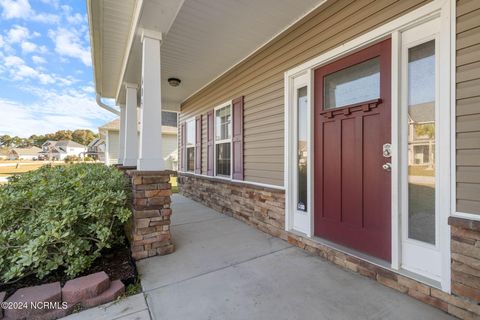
x=354, y=84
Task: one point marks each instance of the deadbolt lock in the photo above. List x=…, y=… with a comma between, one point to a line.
x=387, y=150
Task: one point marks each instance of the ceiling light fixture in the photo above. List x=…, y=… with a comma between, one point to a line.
x=174, y=82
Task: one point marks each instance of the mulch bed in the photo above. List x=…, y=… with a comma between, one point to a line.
x=116, y=262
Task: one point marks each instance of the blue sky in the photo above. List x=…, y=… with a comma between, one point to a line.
x=45, y=68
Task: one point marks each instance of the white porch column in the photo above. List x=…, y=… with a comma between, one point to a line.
x=121, y=144
x=131, y=131
x=150, y=157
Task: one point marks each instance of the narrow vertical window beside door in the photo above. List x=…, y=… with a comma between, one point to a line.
x=302, y=148
x=421, y=142
x=190, y=145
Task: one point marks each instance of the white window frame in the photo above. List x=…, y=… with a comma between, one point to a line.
x=301, y=221
x=194, y=144
x=436, y=9
x=418, y=256
x=215, y=141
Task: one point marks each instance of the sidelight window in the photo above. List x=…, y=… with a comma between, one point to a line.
x=302, y=160
x=421, y=142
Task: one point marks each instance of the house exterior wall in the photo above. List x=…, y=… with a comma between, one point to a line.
x=260, y=78
x=113, y=147
x=75, y=151
x=468, y=106
x=169, y=145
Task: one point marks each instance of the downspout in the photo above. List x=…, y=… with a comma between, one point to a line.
x=104, y=106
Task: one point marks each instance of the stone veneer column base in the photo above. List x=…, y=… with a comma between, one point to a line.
x=264, y=208
x=465, y=245
x=150, y=229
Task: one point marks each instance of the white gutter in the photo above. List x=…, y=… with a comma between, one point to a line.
x=104, y=106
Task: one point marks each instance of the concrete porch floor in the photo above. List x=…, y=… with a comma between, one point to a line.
x=225, y=269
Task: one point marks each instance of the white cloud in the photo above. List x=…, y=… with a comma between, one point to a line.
x=69, y=44
x=39, y=60
x=42, y=49
x=53, y=3
x=20, y=9
x=28, y=46
x=17, y=34
x=19, y=70
x=45, y=18
x=89, y=89
x=54, y=111
x=76, y=18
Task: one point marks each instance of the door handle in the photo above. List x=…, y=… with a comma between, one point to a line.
x=387, y=166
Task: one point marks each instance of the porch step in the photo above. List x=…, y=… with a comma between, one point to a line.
x=116, y=289
x=84, y=288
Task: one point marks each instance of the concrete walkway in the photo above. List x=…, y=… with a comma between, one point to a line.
x=225, y=269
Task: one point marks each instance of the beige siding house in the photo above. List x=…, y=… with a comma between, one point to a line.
x=30, y=153
x=348, y=128
x=110, y=134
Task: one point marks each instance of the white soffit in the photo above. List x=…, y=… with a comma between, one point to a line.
x=207, y=37
x=110, y=25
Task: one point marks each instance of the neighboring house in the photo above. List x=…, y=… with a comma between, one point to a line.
x=59, y=150
x=3, y=154
x=96, y=149
x=30, y=153
x=421, y=133
x=110, y=133
x=294, y=118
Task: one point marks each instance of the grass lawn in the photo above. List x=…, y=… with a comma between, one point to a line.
x=23, y=167
x=421, y=171
x=173, y=182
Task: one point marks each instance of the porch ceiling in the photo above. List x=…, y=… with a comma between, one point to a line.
x=201, y=40
x=110, y=22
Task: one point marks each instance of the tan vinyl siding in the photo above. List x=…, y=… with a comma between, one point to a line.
x=468, y=106
x=260, y=77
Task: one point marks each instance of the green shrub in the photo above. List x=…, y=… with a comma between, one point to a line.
x=88, y=158
x=60, y=218
x=71, y=159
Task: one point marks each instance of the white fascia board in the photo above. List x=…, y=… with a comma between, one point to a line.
x=137, y=13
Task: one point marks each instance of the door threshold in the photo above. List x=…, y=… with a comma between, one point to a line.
x=372, y=260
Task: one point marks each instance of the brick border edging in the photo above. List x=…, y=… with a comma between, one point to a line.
x=86, y=291
x=452, y=304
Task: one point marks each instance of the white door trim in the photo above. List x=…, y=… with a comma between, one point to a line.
x=393, y=29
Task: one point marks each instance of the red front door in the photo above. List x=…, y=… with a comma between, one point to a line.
x=352, y=124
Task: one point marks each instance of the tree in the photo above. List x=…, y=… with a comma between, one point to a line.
x=83, y=137
x=6, y=140
x=63, y=135
x=427, y=129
